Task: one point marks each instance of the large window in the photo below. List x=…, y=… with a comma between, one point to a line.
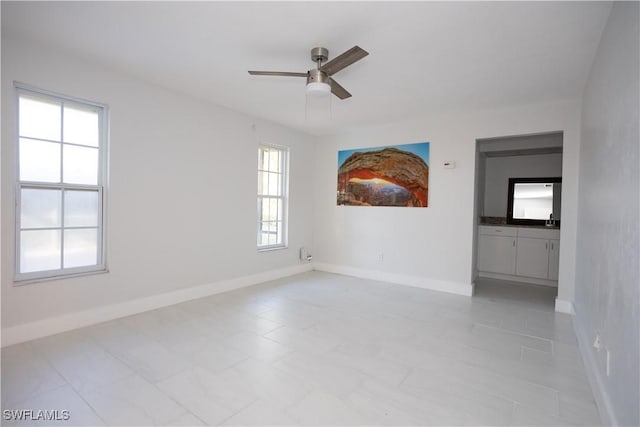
x=272, y=196
x=60, y=186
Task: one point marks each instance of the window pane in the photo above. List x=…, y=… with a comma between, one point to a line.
x=263, y=180
x=274, y=184
x=80, y=165
x=274, y=161
x=81, y=208
x=80, y=125
x=39, y=161
x=80, y=247
x=39, y=118
x=39, y=250
x=279, y=236
x=264, y=212
x=263, y=159
x=40, y=208
x=264, y=239
x=273, y=210
x=269, y=232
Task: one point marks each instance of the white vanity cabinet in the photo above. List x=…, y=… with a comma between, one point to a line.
x=519, y=253
x=537, y=253
x=497, y=249
x=533, y=257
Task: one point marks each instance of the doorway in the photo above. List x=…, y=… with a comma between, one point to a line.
x=517, y=257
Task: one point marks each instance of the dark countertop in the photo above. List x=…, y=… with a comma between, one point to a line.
x=542, y=227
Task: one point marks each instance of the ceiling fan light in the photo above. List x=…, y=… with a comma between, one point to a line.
x=319, y=89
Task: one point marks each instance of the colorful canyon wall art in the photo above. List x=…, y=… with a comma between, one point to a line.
x=395, y=175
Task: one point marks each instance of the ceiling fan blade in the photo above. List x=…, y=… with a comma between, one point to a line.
x=347, y=58
x=338, y=90
x=277, y=73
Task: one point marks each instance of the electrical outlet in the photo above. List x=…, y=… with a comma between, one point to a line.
x=305, y=256
x=381, y=256
x=608, y=363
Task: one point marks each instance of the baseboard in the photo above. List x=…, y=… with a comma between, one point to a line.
x=521, y=279
x=55, y=325
x=605, y=407
x=400, y=279
x=564, y=306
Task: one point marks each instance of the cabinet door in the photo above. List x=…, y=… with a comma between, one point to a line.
x=554, y=259
x=497, y=254
x=533, y=258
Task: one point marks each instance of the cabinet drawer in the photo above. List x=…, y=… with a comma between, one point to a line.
x=539, y=233
x=489, y=230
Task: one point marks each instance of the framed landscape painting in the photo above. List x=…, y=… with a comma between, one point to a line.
x=393, y=175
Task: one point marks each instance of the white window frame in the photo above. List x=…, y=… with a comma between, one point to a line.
x=284, y=197
x=100, y=187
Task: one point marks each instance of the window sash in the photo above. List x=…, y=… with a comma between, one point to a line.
x=62, y=271
x=100, y=266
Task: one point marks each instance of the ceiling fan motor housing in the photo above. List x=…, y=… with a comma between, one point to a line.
x=317, y=76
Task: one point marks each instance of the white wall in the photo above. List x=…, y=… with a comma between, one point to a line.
x=181, y=199
x=607, y=276
x=434, y=246
x=500, y=169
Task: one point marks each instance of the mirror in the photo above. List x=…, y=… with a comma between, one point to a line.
x=534, y=201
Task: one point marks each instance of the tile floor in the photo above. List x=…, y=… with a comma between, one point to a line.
x=315, y=349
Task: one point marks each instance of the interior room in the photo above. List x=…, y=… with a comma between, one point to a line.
x=320, y=213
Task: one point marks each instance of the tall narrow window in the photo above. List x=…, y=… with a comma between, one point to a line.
x=272, y=196
x=60, y=186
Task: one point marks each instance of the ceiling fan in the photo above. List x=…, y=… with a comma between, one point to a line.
x=319, y=80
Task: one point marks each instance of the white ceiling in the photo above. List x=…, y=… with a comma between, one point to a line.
x=424, y=57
